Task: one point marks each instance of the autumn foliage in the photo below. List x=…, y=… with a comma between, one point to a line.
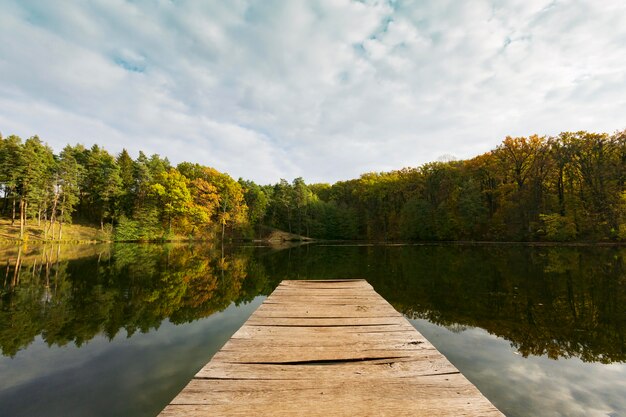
x=564, y=188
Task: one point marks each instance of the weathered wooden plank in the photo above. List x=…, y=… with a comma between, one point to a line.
x=327, y=283
x=437, y=395
x=322, y=311
x=353, y=344
x=339, y=292
x=248, y=330
x=321, y=321
x=326, y=407
x=318, y=297
x=426, y=364
x=317, y=354
x=321, y=348
x=208, y=391
x=300, y=282
x=322, y=334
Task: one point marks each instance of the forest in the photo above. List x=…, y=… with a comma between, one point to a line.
x=570, y=187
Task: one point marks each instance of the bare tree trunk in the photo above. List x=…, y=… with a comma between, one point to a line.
x=53, y=216
x=13, y=214
x=5, y=201
x=23, y=206
x=61, y=221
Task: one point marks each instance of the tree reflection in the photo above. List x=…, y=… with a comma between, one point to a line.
x=554, y=301
x=130, y=287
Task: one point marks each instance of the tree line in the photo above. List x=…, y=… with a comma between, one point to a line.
x=141, y=199
x=562, y=188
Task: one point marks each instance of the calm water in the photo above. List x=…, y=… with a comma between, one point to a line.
x=119, y=330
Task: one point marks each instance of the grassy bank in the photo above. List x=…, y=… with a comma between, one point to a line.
x=91, y=233
x=76, y=233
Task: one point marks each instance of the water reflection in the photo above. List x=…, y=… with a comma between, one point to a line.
x=532, y=386
x=500, y=313
x=554, y=301
x=53, y=293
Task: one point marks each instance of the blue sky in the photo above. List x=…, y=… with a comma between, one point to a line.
x=323, y=89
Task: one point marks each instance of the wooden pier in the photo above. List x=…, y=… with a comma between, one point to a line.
x=328, y=348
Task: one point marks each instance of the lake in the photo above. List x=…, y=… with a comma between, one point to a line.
x=101, y=330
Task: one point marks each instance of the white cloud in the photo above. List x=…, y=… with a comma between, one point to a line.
x=542, y=386
x=325, y=90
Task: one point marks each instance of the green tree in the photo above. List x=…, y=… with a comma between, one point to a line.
x=35, y=163
x=142, y=177
x=129, y=186
x=302, y=199
x=257, y=201
x=103, y=185
x=11, y=169
x=68, y=176
x=281, y=210
x=170, y=190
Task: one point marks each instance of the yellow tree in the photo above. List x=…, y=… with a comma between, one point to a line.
x=205, y=198
x=231, y=209
x=170, y=189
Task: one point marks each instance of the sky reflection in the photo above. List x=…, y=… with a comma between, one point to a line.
x=137, y=375
x=532, y=386
x=499, y=312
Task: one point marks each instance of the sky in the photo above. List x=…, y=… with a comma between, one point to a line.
x=321, y=89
